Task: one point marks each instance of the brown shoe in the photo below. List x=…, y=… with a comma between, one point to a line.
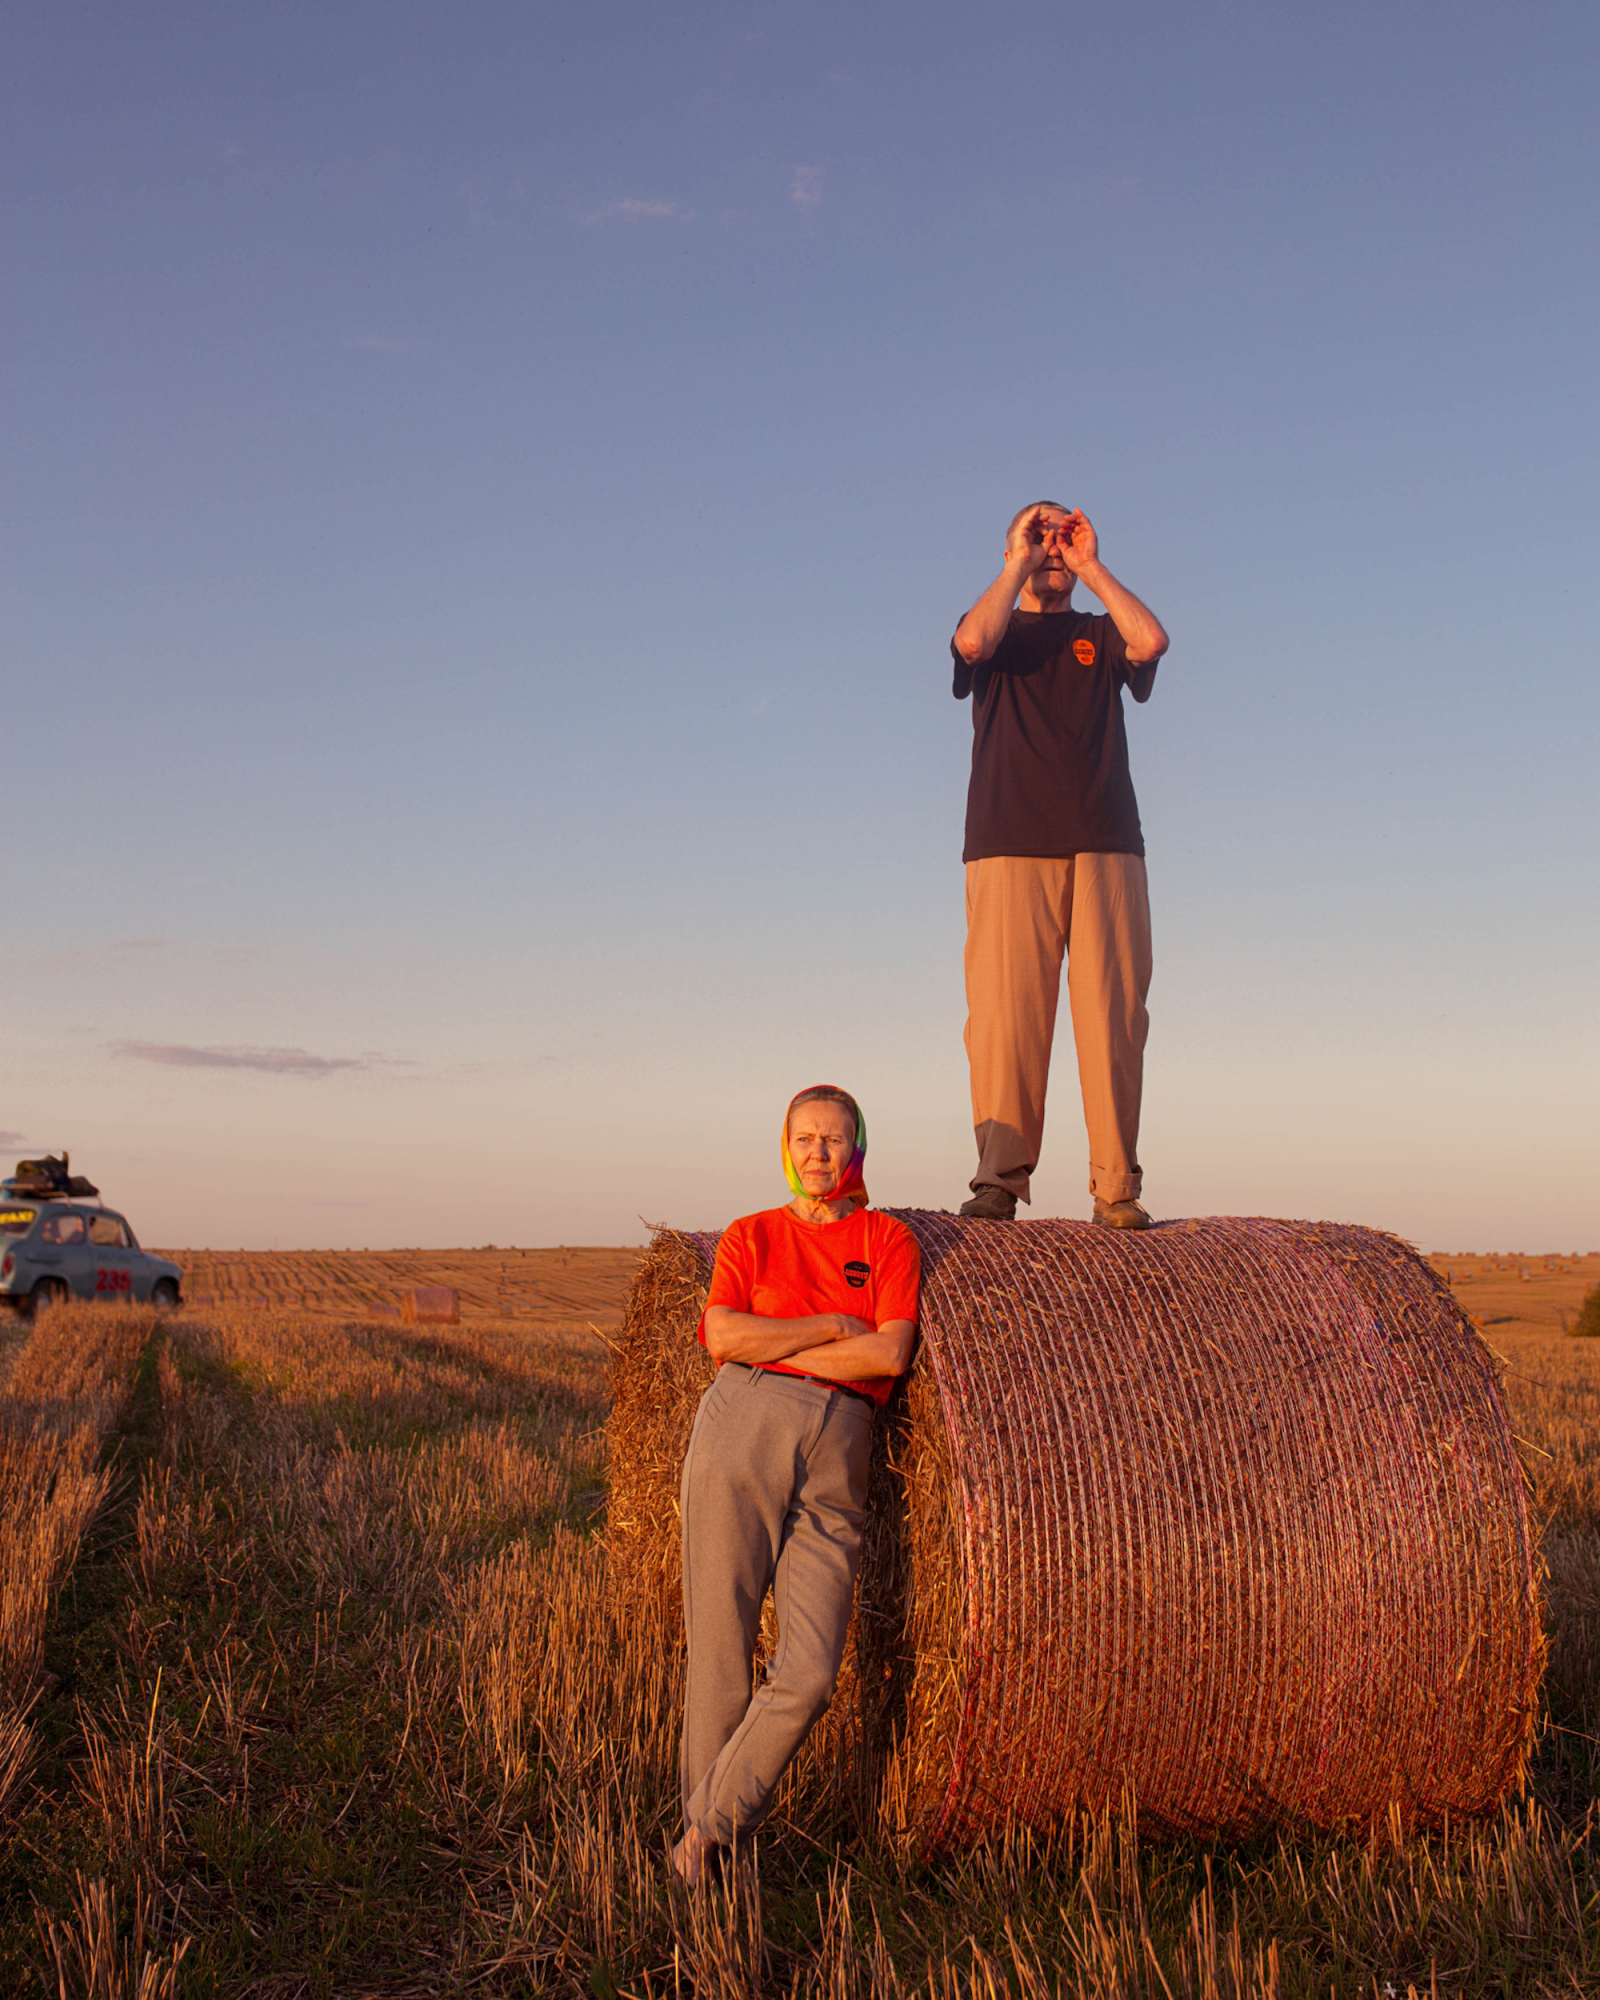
x=991, y=1204
x=1119, y=1215
x=695, y=1861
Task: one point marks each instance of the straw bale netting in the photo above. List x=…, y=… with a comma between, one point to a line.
x=1225, y=1517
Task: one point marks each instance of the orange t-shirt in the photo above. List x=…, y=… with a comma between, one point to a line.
x=866, y=1264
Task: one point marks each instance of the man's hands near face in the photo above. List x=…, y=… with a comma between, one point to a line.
x=1052, y=537
x=1026, y=543
x=1077, y=541
x=1048, y=548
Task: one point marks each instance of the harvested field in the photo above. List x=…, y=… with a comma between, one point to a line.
x=1527, y=1294
x=338, y=1701
x=65, y=1388
x=561, y=1287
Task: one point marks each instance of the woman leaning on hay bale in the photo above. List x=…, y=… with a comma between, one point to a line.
x=810, y=1317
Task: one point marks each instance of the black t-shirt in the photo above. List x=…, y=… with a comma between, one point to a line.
x=1049, y=750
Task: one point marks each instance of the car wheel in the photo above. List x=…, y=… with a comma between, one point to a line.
x=48, y=1292
x=164, y=1295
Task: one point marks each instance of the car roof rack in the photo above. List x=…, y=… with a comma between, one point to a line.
x=49, y=1179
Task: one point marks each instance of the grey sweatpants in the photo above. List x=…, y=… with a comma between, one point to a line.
x=774, y=1485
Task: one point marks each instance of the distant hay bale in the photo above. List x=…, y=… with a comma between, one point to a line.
x=1226, y=1517
x=431, y=1305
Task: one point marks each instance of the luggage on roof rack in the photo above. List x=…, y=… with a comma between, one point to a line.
x=51, y=1178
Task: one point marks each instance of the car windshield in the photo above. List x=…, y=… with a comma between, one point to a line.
x=16, y=1221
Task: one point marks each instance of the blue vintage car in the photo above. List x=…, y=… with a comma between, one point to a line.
x=52, y=1249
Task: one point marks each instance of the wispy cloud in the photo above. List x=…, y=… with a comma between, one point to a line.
x=141, y=944
x=631, y=209
x=275, y=1062
x=805, y=190
x=10, y=1139
x=381, y=343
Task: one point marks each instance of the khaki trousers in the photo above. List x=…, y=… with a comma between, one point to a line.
x=1024, y=913
x=774, y=1487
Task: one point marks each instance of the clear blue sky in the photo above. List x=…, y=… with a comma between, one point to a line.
x=487, y=492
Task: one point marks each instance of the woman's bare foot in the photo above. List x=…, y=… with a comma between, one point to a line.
x=690, y=1857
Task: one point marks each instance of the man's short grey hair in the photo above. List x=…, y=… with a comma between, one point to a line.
x=1060, y=506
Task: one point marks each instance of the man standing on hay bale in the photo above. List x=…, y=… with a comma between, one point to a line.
x=1055, y=859
x=810, y=1317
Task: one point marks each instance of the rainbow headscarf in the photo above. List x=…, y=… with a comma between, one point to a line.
x=851, y=1186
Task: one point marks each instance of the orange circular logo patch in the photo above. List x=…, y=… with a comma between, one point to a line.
x=1084, y=648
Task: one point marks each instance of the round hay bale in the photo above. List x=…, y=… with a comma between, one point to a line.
x=1225, y=1517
